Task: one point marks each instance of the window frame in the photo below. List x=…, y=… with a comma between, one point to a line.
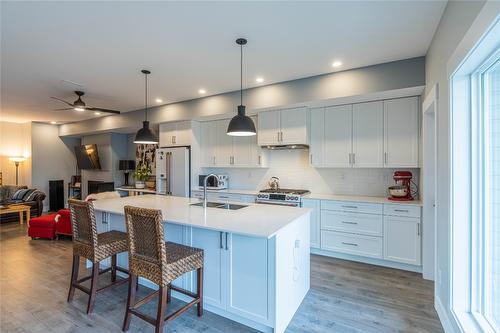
x=468, y=264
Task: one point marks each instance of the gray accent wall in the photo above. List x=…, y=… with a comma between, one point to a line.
x=53, y=158
x=377, y=78
x=456, y=20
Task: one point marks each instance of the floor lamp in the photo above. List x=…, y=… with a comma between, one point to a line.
x=17, y=160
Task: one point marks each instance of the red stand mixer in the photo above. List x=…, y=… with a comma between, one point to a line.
x=402, y=191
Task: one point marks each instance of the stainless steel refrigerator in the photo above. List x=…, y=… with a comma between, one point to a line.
x=173, y=171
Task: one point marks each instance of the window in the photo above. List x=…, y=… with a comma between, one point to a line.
x=475, y=187
x=490, y=94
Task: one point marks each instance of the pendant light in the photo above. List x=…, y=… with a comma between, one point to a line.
x=241, y=124
x=146, y=135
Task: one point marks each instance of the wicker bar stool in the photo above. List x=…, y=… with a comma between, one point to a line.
x=87, y=243
x=160, y=262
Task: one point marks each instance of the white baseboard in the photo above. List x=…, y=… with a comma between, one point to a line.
x=443, y=316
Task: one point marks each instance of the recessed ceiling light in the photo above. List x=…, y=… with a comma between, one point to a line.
x=259, y=80
x=202, y=91
x=337, y=64
x=53, y=122
x=158, y=100
x=97, y=113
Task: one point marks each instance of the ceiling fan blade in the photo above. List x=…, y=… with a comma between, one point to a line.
x=63, y=109
x=102, y=110
x=61, y=100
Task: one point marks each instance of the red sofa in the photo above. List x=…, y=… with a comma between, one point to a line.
x=51, y=226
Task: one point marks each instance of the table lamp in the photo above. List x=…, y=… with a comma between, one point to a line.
x=17, y=160
x=127, y=166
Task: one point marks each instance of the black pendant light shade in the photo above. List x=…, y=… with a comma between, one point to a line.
x=241, y=124
x=146, y=135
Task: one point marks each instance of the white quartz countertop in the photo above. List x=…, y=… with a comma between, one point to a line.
x=360, y=198
x=255, y=220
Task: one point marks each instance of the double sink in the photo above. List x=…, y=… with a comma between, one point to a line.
x=220, y=205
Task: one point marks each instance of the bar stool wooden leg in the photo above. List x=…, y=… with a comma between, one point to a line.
x=113, y=268
x=132, y=287
x=162, y=306
x=169, y=294
x=199, y=290
x=74, y=277
x=93, y=286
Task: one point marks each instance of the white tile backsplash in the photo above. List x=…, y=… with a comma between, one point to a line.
x=293, y=169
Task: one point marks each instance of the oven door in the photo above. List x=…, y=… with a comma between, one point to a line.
x=278, y=203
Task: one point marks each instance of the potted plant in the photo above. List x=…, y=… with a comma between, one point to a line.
x=142, y=173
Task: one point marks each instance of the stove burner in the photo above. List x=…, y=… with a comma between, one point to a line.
x=285, y=191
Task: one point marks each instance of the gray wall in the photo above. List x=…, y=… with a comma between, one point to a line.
x=53, y=158
x=393, y=75
x=112, y=147
x=456, y=20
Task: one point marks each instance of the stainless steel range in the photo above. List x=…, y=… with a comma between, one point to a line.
x=282, y=196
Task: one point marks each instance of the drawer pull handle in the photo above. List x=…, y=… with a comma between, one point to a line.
x=351, y=244
x=401, y=210
x=223, y=197
x=347, y=222
x=354, y=207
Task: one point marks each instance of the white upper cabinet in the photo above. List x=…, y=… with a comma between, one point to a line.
x=401, y=132
x=269, y=128
x=294, y=126
x=221, y=150
x=224, y=148
x=282, y=127
x=337, y=138
x=368, y=135
x=317, y=137
x=208, y=143
x=175, y=134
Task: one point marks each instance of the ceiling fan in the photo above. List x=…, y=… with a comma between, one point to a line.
x=80, y=105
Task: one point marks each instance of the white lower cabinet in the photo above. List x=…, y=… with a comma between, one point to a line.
x=315, y=221
x=247, y=293
x=212, y=244
x=234, y=281
x=362, y=245
x=388, y=232
x=177, y=234
x=402, y=240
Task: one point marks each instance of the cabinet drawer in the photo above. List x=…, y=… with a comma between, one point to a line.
x=367, y=246
x=365, y=224
x=402, y=210
x=347, y=206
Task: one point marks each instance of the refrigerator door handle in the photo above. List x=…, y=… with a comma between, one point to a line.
x=169, y=175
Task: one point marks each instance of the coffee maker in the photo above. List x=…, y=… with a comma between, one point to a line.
x=402, y=190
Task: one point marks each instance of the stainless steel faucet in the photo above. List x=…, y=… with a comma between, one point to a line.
x=205, y=188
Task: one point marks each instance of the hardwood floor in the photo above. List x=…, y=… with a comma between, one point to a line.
x=344, y=297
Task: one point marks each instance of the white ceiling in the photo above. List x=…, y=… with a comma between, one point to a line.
x=188, y=46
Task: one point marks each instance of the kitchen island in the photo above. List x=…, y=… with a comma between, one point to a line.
x=257, y=263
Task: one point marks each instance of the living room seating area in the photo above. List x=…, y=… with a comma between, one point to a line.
x=20, y=195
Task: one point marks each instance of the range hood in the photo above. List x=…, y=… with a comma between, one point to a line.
x=285, y=147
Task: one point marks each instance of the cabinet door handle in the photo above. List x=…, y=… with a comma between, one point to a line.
x=281, y=136
x=260, y=160
x=350, y=162
x=348, y=222
x=385, y=158
x=347, y=206
x=278, y=136
x=104, y=218
x=350, y=244
x=220, y=235
x=401, y=210
x=175, y=139
x=227, y=246
x=311, y=158
x=223, y=197
x=353, y=158
x=418, y=229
